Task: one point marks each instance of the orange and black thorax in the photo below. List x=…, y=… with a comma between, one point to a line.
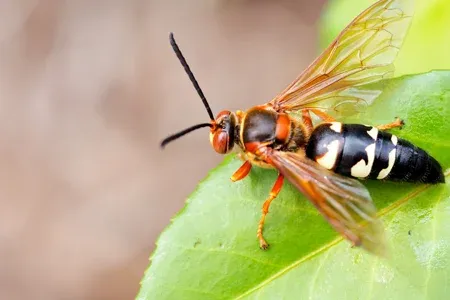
x=262, y=126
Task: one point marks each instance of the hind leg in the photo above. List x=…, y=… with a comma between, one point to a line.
x=321, y=114
x=397, y=123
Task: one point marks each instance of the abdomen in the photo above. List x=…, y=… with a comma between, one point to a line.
x=365, y=152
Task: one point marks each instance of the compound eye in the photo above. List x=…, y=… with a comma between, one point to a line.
x=220, y=141
x=222, y=134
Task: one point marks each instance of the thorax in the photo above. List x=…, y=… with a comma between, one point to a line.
x=262, y=126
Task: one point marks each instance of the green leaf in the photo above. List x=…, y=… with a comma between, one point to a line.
x=210, y=250
x=427, y=46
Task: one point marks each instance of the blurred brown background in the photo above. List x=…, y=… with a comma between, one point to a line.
x=87, y=91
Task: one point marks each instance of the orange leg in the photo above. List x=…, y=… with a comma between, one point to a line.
x=397, y=123
x=306, y=117
x=265, y=210
x=242, y=172
x=321, y=114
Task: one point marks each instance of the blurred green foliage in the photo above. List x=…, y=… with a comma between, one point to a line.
x=427, y=46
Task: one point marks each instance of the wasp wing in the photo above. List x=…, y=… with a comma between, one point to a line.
x=344, y=202
x=364, y=52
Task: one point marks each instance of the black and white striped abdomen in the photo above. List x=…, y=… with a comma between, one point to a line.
x=365, y=152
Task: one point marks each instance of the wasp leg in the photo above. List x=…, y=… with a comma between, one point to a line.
x=321, y=114
x=241, y=156
x=306, y=117
x=265, y=210
x=242, y=172
x=397, y=123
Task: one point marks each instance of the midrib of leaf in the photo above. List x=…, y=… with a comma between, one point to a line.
x=392, y=207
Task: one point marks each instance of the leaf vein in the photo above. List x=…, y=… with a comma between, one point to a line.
x=332, y=243
x=316, y=275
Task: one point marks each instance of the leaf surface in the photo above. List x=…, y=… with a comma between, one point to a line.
x=210, y=250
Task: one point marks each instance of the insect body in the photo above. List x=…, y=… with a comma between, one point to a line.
x=320, y=160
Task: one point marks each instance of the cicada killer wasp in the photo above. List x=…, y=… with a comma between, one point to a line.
x=322, y=160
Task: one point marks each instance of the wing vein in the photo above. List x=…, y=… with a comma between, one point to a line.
x=364, y=52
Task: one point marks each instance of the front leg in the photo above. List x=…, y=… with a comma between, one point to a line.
x=242, y=172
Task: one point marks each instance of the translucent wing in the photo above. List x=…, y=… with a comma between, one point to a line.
x=344, y=202
x=364, y=52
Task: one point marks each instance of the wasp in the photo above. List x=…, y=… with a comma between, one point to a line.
x=296, y=134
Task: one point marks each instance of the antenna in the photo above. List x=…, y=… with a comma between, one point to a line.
x=186, y=67
x=183, y=132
